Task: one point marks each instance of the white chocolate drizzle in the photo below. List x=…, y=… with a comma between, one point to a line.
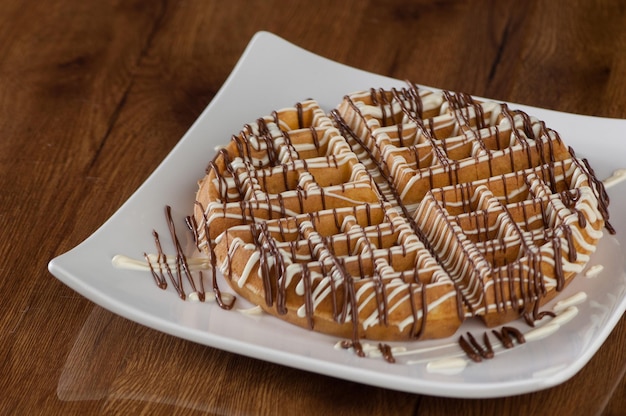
x=121, y=261
x=573, y=300
x=618, y=176
x=541, y=332
x=387, y=176
x=253, y=311
x=594, y=271
x=447, y=366
x=451, y=360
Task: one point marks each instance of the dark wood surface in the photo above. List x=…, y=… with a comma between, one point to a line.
x=94, y=94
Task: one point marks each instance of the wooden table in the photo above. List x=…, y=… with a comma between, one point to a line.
x=94, y=94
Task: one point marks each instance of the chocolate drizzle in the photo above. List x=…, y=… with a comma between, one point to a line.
x=598, y=187
x=408, y=217
x=536, y=315
x=385, y=350
x=162, y=267
x=355, y=345
x=159, y=278
x=507, y=335
x=474, y=350
x=518, y=281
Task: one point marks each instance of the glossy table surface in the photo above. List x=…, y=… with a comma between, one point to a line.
x=94, y=95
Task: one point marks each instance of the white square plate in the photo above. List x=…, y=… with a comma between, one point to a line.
x=274, y=74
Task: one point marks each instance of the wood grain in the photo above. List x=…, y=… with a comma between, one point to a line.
x=93, y=95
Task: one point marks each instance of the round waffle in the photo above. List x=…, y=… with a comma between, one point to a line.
x=399, y=214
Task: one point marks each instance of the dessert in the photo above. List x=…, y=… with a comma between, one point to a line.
x=399, y=214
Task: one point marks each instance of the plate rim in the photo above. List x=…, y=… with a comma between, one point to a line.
x=60, y=267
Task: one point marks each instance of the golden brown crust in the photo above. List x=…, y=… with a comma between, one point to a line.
x=398, y=215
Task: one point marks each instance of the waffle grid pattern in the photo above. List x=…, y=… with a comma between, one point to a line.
x=398, y=209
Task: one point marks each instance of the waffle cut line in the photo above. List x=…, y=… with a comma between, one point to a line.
x=399, y=214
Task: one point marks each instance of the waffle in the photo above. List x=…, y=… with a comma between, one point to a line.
x=399, y=214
